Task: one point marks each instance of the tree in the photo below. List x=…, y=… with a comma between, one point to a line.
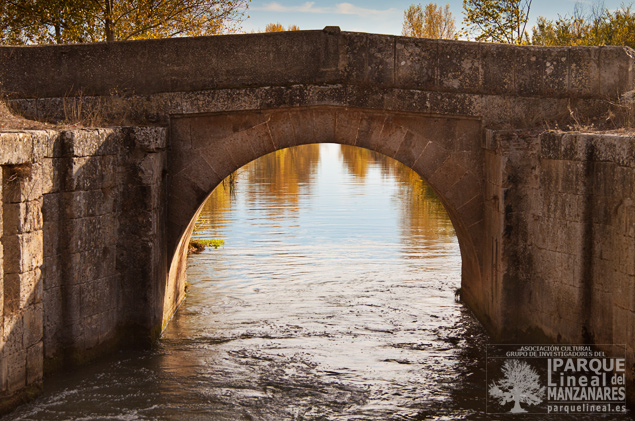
x=67, y=21
x=430, y=22
x=599, y=27
x=497, y=20
x=277, y=27
x=519, y=385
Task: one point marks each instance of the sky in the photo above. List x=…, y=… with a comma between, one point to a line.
x=375, y=16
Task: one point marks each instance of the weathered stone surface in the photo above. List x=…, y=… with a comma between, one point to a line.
x=22, y=217
x=502, y=84
x=17, y=148
x=22, y=252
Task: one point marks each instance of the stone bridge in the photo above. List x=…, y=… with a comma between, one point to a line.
x=94, y=223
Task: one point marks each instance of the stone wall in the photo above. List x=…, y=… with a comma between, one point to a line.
x=564, y=207
x=80, y=231
x=150, y=80
x=21, y=258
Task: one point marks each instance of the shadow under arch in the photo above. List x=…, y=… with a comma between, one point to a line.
x=444, y=150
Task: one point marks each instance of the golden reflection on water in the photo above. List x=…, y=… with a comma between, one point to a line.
x=281, y=176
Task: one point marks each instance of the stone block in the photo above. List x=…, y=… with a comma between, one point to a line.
x=407, y=100
x=446, y=175
x=86, y=203
x=52, y=168
x=550, y=145
x=13, y=330
x=180, y=131
x=88, y=233
x=43, y=141
x=472, y=211
x=459, y=66
x=431, y=158
x=556, y=74
x=16, y=371
x=260, y=140
x=371, y=59
x=370, y=127
x=23, y=252
x=152, y=168
x=91, y=142
x=33, y=325
x=303, y=126
x=281, y=129
x=324, y=120
x=625, y=151
x=89, y=299
x=109, y=165
x=498, y=71
x=367, y=96
x=347, y=123
x=22, y=183
x=529, y=68
x=584, y=71
x=209, y=130
x=411, y=148
x=605, y=148
x=616, y=73
x=71, y=304
x=51, y=240
x=416, y=63
x=22, y=289
x=35, y=364
x=150, y=139
x=90, y=265
x=90, y=173
x=464, y=189
x=574, y=178
x=217, y=158
x=17, y=148
x=201, y=173
x=23, y=217
x=390, y=138
x=573, y=147
x=53, y=318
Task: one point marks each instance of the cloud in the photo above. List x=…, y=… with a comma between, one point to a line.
x=338, y=9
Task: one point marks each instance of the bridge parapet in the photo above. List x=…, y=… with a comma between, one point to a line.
x=152, y=79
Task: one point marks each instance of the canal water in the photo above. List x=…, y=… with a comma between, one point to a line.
x=333, y=298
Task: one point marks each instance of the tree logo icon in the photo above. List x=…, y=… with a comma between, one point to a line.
x=520, y=384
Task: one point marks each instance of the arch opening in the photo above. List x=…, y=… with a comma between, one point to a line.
x=288, y=283
x=205, y=149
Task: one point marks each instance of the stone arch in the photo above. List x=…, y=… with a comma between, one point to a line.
x=205, y=148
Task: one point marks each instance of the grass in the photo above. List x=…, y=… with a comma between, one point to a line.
x=197, y=246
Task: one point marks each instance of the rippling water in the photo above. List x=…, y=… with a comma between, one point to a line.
x=332, y=299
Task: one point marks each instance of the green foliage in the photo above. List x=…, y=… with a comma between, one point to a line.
x=197, y=246
x=599, y=27
x=497, y=20
x=430, y=22
x=70, y=21
x=214, y=242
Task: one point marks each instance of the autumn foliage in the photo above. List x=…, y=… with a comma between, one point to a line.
x=70, y=21
x=431, y=21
